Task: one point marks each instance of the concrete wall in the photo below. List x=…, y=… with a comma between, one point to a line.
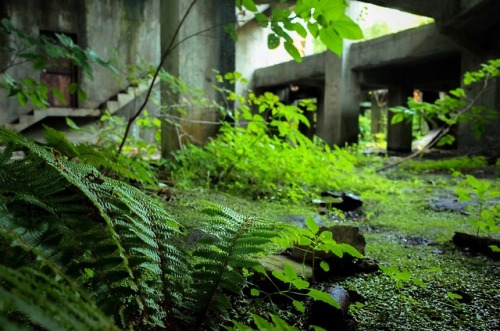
x=125, y=30
x=204, y=46
x=252, y=53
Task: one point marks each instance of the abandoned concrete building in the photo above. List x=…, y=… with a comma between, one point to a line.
x=431, y=58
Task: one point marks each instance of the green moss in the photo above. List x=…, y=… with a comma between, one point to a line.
x=456, y=163
x=402, y=232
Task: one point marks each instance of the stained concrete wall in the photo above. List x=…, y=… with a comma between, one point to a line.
x=123, y=30
x=203, y=47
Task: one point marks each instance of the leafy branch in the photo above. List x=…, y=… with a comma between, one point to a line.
x=453, y=109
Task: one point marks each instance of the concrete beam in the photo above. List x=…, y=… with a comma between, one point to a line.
x=404, y=47
x=311, y=67
x=430, y=8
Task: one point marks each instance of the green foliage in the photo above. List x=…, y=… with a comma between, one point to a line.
x=97, y=233
x=323, y=20
x=233, y=241
x=457, y=106
x=311, y=240
x=401, y=277
x=296, y=167
x=102, y=156
x=46, y=303
x=106, y=251
x=41, y=51
x=487, y=214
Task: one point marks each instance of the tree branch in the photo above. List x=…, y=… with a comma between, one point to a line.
x=444, y=131
x=155, y=76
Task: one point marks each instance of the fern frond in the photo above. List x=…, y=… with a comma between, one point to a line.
x=45, y=303
x=101, y=157
x=79, y=222
x=235, y=241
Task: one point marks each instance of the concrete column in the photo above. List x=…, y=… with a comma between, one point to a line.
x=399, y=136
x=376, y=114
x=338, y=121
x=204, y=46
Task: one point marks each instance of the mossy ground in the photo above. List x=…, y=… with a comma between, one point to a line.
x=402, y=232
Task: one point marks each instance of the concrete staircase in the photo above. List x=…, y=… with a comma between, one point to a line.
x=113, y=105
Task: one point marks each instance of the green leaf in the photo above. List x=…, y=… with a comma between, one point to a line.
x=331, y=10
x=348, y=29
x=293, y=51
x=281, y=276
x=289, y=272
x=22, y=99
x=72, y=124
x=313, y=29
x=299, y=306
x=325, y=266
x=494, y=248
x=81, y=94
x=458, y=92
x=261, y=323
x=299, y=28
x=60, y=97
x=312, y=225
x=351, y=251
x=300, y=284
x=254, y=292
x=446, y=140
x=250, y=5
x=419, y=282
x=318, y=295
x=332, y=40
x=261, y=19
x=273, y=41
x=453, y=296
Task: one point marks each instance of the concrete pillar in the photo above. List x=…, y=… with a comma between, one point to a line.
x=376, y=113
x=338, y=122
x=399, y=136
x=204, y=46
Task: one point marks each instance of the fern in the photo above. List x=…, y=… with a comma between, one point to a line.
x=101, y=157
x=111, y=238
x=232, y=243
x=46, y=303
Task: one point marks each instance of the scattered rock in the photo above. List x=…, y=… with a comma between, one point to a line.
x=343, y=201
x=450, y=204
x=476, y=244
x=415, y=241
x=328, y=317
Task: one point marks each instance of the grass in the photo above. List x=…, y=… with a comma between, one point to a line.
x=401, y=231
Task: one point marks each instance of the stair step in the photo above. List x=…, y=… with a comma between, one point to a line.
x=124, y=98
x=112, y=106
x=120, y=100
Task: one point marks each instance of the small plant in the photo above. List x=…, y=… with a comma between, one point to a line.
x=296, y=285
x=313, y=241
x=480, y=192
